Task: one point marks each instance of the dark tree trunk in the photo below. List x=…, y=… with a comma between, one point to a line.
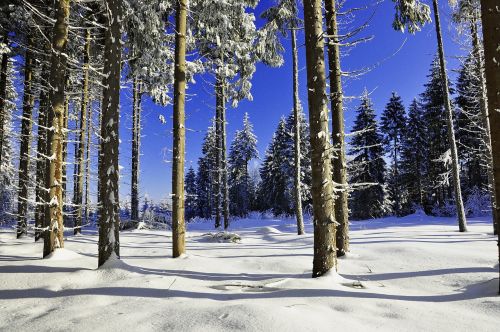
x=178, y=225
x=136, y=124
x=109, y=216
x=24, y=153
x=219, y=105
x=337, y=105
x=322, y=185
x=491, y=39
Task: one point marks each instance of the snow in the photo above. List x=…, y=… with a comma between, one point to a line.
x=409, y=274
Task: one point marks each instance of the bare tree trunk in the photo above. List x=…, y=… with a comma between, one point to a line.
x=476, y=48
x=53, y=237
x=65, y=144
x=178, y=225
x=81, y=135
x=322, y=185
x=225, y=186
x=24, y=154
x=337, y=105
x=296, y=119
x=87, y=162
x=3, y=93
x=109, y=216
x=462, y=222
x=135, y=151
x=219, y=105
x=491, y=39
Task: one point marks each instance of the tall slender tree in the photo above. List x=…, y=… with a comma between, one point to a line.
x=490, y=16
x=109, y=216
x=322, y=184
x=178, y=225
x=462, y=222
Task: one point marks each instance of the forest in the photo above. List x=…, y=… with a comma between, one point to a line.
x=358, y=212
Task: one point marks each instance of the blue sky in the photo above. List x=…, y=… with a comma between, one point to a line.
x=399, y=62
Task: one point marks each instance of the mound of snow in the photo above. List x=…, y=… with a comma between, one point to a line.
x=62, y=254
x=268, y=230
x=221, y=237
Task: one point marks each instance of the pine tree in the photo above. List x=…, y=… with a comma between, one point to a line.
x=178, y=225
x=322, y=184
x=455, y=172
x=190, y=186
x=392, y=125
x=367, y=167
x=491, y=24
x=413, y=154
x=205, y=178
x=109, y=214
x=242, y=150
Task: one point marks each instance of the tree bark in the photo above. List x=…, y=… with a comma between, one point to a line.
x=24, y=153
x=297, y=139
x=338, y=136
x=109, y=216
x=136, y=105
x=223, y=136
x=3, y=93
x=462, y=222
x=87, y=163
x=53, y=237
x=219, y=105
x=81, y=135
x=490, y=15
x=476, y=48
x=178, y=225
x=322, y=186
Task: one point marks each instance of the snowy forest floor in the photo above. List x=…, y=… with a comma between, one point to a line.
x=409, y=274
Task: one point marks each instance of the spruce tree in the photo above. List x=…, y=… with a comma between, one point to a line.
x=367, y=166
x=206, y=176
x=392, y=125
x=190, y=187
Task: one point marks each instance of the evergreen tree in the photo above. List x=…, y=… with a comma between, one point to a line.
x=392, y=125
x=206, y=176
x=367, y=167
x=413, y=154
x=190, y=187
x=242, y=150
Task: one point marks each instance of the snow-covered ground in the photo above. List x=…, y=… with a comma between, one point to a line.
x=415, y=273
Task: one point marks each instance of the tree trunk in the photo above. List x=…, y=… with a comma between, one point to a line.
x=219, y=105
x=81, y=135
x=3, y=93
x=87, y=163
x=65, y=144
x=24, y=153
x=297, y=139
x=109, y=216
x=336, y=98
x=462, y=222
x=225, y=186
x=491, y=39
x=476, y=48
x=322, y=186
x=53, y=237
x=136, y=105
x=178, y=226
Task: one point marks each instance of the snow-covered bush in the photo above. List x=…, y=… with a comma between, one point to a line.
x=478, y=203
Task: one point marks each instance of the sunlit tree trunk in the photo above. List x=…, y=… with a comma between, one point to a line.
x=322, y=185
x=462, y=222
x=109, y=216
x=136, y=124
x=219, y=105
x=178, y=225
x=337, y=105
x=53, y=237
x=297, y=139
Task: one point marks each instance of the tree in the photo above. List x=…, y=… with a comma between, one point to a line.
x=462, y=222
x=367, y=167
x=491, y=24
x=54, y=228
x=191, y=206
x=281, y=17
x=109, y=211
x=242, y=150
x=178, y=225
x=337, y=106
x=413, y=154
x=392, y=125
x=205, y=178
x=322, y=184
